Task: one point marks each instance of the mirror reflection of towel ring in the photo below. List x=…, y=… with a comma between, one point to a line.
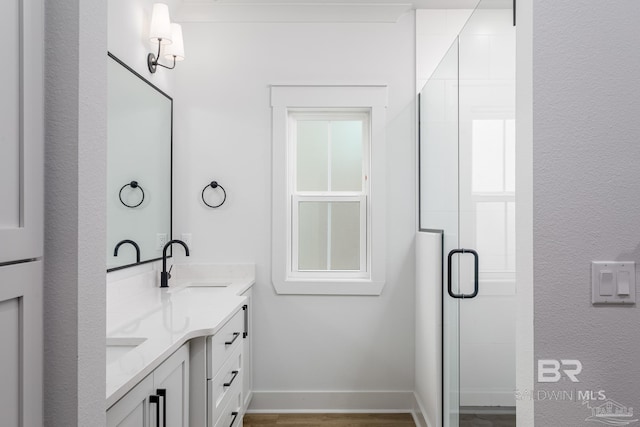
x=134, y=185
x=214, y=185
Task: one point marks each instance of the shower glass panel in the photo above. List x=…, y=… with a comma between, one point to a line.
x=439, y=207
x=467, y=190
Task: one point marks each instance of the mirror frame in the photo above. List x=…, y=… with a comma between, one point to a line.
x=135, y=73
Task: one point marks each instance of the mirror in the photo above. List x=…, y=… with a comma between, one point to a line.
x=139, y=155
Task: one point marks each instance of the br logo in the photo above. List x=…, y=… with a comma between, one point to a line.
x=551, y=370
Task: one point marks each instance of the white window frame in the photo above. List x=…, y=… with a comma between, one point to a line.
x=286, y=102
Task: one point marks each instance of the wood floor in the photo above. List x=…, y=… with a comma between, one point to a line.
x=473, y=420
x=328, y=420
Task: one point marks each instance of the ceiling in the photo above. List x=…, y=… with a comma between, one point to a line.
x=316, y=10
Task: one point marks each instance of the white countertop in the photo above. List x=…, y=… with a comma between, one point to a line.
x=165, y=319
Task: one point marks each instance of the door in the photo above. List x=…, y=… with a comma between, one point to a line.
x=21, y=213
x=467, y=191
x=171, y=383
x=140, y=407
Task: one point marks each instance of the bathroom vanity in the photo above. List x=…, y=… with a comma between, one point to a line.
x=180, y=356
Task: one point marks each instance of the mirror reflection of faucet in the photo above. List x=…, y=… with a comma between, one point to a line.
x=132, y=243
x=165, y=275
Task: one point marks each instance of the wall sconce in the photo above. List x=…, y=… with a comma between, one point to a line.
x=166, y=34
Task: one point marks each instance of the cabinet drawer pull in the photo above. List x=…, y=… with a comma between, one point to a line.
x=162, y=392
x=155, y=399
x=235, y=337
x=235, y=415
x=245, y=308
x=235, y=374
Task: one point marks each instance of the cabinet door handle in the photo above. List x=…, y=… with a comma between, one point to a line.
x=245, y=308
x=235, y=374
x=235, y=337
x=235, y=415
x=162, y=392
x=155, y=399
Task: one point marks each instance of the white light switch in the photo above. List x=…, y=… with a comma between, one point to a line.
x=623, y=283
x=606, y=283
x=613, y=282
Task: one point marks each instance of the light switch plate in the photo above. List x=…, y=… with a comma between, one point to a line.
x=619, y=284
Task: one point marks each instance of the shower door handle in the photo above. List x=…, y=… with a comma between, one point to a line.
x=475, y=273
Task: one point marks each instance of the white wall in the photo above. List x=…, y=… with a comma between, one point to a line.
x=223, y=132
x=128, y=30
x=436, y=29
x=586, y=181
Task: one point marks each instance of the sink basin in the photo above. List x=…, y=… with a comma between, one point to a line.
x=207, y=284
x=193, y=286
x=118, y=347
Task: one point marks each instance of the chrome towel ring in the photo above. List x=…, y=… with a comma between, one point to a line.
x=214, y=185
x=133, y=185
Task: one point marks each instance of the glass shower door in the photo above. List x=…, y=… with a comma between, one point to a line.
x=439, y=204
x=467, y=191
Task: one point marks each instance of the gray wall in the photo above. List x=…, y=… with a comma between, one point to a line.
x=75, y=159
x=586, y=182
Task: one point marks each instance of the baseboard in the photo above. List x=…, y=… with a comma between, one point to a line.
x=331, y=402
x=420, y=417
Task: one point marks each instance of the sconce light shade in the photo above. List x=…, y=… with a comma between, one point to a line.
x=176, y=49
x=160, y=29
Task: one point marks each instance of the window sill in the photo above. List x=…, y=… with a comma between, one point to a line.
x=327, y=287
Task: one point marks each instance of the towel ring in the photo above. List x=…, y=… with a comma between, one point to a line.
x=132, y=184
x=214, y=184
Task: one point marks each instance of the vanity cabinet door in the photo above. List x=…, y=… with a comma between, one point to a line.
x=135, y=408
x=171, y=383
x=159, y=400
x=247, y=382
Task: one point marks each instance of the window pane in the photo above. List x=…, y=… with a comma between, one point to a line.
x=346, y=155
x=312, y=235
x=488, y=156
x=345, y=236
x=329, y=236
x=510, y=155
x=312, y=155
x=491, y=238
x=511, y=236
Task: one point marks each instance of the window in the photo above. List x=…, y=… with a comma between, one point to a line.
x=328, y=187
x=494, y=200
x=328, y=234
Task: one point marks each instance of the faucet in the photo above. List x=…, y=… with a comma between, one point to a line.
x=131, y=242
x=165, y=276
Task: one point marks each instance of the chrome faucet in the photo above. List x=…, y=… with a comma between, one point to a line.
x=132, y=243
x=165, y=276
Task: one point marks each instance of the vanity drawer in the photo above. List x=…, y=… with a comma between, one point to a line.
x=221, y=345
x=231, y=415
x=224, y=386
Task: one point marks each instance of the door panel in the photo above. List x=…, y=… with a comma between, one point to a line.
x=173, y=377
x=21, y=350
x=134, y=409
x=21, y=130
